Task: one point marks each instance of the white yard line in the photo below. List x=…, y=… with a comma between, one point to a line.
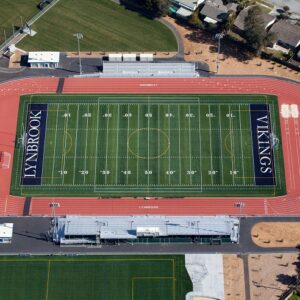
x=148, y=144
x=138, y=145
x=96, y=150
x=211, y=161
x=53, y=162
x=242, y=148
x=65, y=145
x=231, y=145
x=179, y=144
x=86, y=138
x=190, y=146
x=221, y=144
x=106, y=146
x=117, y=150
x=200, y=142
x=170, y=143
x=128, y=120
x=253, y=163
x=158, y=144
x=74, y=169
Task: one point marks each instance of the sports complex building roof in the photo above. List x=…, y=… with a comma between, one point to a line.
x=86, y=229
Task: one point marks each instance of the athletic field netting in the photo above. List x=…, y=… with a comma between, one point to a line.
x=94, y=277
x=148, y=146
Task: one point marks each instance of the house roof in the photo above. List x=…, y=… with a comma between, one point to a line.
x=232, y=6
x=215, y=12
x=240, y=20
x=286, y=32
x=190, y=4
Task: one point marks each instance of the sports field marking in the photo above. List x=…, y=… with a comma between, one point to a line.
x=158, y=144
x=138, y=146
x=128, y=123
x=48, y=278
x=106, y=149
x=221, y=146
x=242, y=148
x=64, y=151
x=117, y=142
x=170, y=143
x=179, y=144
x=86, y=139
x=190, y=147
x=75, y=155
x=210, y=145
x=231, y=145
x=53, y=163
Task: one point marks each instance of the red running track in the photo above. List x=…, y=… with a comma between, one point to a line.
x=287, y=92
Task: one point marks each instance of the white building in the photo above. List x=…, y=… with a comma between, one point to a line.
x=44, y=59
x=6, y=233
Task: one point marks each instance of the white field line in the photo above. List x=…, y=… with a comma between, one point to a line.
x=179, y=144
x=106, y=146
x=53, y=163
x=117, y=150
x=128, y=120
x=148, y=144
x=170, y=143
x=96, y=150
x=221, y=144
x=44, y=144
x=86, y=138
x=200, y=146
x=138, y=145
x=190, y=146
x=65, y=145
x=211, y=161
x=242, y=148
x=75, y=159
x=158, y=144
x=231, y=145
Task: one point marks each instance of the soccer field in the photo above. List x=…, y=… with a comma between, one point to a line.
x=148, y=146
x=94, y=277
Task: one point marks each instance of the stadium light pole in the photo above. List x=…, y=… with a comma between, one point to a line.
x=219, y=36
x=54, y=205
x=79, y=36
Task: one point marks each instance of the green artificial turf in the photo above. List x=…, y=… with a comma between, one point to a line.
x=105, y=26
x=148, y=146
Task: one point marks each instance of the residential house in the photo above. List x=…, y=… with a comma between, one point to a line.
x=239, y=23
x=214, y=12
x=287, y=36
x=184, y=8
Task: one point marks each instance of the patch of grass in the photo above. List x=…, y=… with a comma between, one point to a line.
x=105, y=25
x=94, y=277
x=11, y=13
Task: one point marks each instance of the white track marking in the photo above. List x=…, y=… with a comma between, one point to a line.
x=211, y=161
x=75, y=159
x=221, y=144
x=65, y=145
x=242, y=148
x=106, y=146
x=96, y=150
x=117, y=150
x=86, y=138
x=179, y=144
x=138, y=145
x=190, y=146
x=53, y=163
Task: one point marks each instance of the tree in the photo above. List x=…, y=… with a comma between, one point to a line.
x=229, y=21
x=195, y=21
x=157, y=8
x=255, y=32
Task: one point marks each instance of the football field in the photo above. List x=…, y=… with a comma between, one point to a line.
x=94, y=277
x=148, y=146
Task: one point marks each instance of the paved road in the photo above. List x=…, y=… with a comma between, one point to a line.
x=29, y=237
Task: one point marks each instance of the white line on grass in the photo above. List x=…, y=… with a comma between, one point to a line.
x=179, y=145
x=86, y=138
x=221, y=144
x=138, y=145
x=158, y=145
x=231, y=145
x=211, y=161
x=190, y=146
x=200, y=142
x=170, y=142
x=148, y=143
x=242, y=148
x=65, y=145
x=117, y=150
x=74, y=169
x=96, y=150
x=53, y=162
x=106, y=146
x=128, y=119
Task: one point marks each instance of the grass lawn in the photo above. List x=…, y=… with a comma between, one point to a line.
x=11, y=11
x=94, y=277
x=143, y=145
x=105, y=25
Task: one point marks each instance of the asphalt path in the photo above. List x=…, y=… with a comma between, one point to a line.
x=30, y=232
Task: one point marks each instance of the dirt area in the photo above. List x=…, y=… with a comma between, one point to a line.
x=234, y=285
x=101, y=54
x=276, y=234
x=271, y=274
x=15, y=60
x=202, y=46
